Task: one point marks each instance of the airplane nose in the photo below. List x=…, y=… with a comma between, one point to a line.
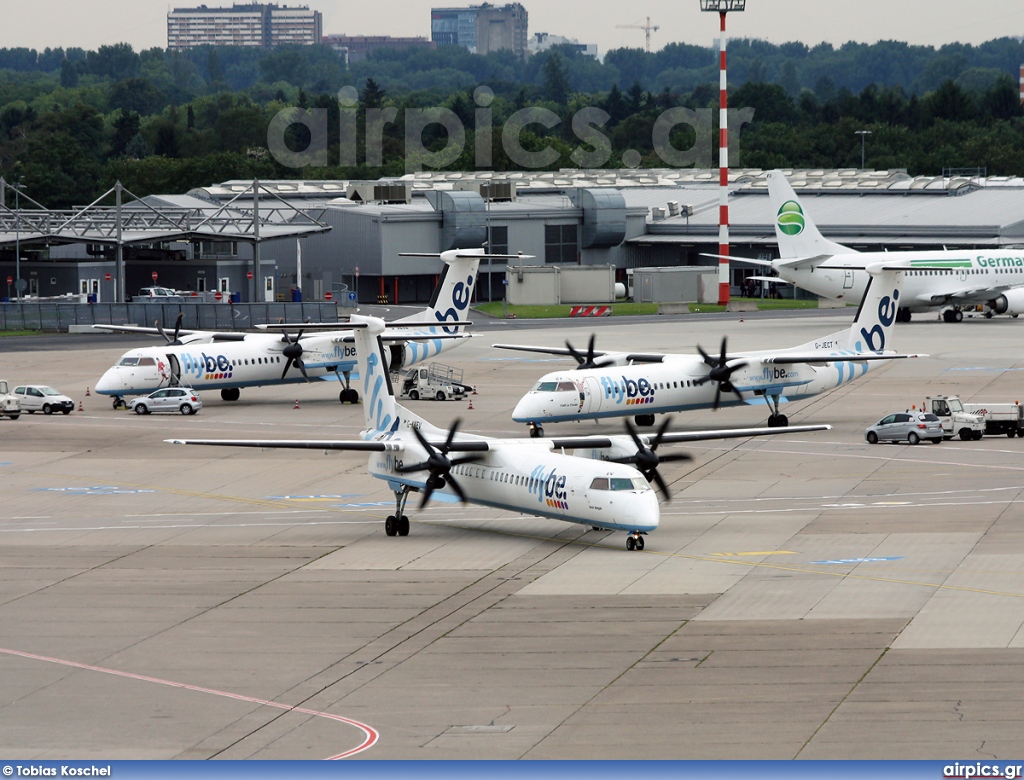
x=646, y=514
x=110, y=383
x=524, y=409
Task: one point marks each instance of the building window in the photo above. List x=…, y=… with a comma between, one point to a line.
x=498, y=244
x=560, y=243
x=219, y=248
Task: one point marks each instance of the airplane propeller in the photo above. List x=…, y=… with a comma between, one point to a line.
x=174, y=342
x=439, y=464
x=720, y=372
x=293, y=351
x=647, y=459
x=587, y=361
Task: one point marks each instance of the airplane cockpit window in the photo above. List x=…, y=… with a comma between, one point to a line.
x=129, y=361
x=621, y=483
x=563, y=386
x=545, y=387
x=599, y=483
x=147, y=361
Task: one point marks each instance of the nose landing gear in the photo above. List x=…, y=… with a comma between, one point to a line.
x=635, y=541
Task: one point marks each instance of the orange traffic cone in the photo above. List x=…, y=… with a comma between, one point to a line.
x=471, y=403
x=87, y=391
x=80, y=408
x=474, y=389
x=296, y=403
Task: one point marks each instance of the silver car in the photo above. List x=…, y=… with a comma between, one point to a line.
x=912, y=427
x=169, y=399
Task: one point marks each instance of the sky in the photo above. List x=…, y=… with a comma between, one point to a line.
x=88, y=24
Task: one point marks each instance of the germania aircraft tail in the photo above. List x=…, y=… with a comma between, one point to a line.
x=795, y=230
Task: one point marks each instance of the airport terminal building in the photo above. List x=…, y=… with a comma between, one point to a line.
x=627, y=219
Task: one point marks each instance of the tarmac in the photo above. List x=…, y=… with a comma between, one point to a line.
x=806, y=597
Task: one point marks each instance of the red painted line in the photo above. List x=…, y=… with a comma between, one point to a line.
x=372, y=735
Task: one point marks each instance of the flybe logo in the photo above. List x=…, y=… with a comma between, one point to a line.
x=549, y=489
x=461, y=295
x=206, y=366
x=346, y=352
x=791, y=218
x=874, y=339
x=632, y=393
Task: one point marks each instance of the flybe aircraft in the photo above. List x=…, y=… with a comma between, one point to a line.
x=947, y=279
x=605, y=484
x=208, y=360
x=619, y=384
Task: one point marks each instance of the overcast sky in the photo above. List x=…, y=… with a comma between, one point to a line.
x=142, y=23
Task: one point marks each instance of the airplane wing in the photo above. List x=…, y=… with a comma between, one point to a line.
x=772, y=279
x=819, y=358
x=633, y=357
x=355, y=445
x=975, y=295
x=792, y=262
x=148, y=331
x=675, y=437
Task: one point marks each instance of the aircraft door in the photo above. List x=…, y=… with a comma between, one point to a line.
x=174, y=372
x=847, y=279
x=591, y=396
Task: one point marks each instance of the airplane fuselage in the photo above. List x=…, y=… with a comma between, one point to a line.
x=978, y=270
x=671, y=386
x=523, y=476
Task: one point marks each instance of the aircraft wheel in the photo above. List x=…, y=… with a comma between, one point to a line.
x=773, y=421
x=988, y=315
x=872, y=437
x=639, y=543
x=536, y=432
x=913, y=438
x=391, y=526
x=630, y=543
x=414, y=395
x=782, y=421
x=403, y=526
x=958, y=316
x=141, y=409
x=118, y=402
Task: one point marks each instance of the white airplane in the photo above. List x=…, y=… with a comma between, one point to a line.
x=209, y=360
x=642, y=384
x=947, y=280
x=605, y=484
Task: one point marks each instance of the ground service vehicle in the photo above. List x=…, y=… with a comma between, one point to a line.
x=912, y=427
x=40, y=398
x=10, y=406
x=1004, y=418
x=956, y=421
x=435, y=381
x=170, y=399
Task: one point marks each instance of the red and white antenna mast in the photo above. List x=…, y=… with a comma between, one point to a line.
x=722, y=7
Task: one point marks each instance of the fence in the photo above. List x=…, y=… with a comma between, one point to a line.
x=197, y=316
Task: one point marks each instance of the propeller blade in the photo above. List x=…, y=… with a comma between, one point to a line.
x=718, y=396
x=661, y=484
x=705, y=355
x=428, y=492
x=633, y=435
x=177, y=327
x=302, y=367
x=286, y=367
x=160, y=329
x=661, y=432
x=580, y=360
x=457, y=488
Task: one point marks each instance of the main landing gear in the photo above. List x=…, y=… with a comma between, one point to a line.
x=230, y=394
x=398, y=523
x=952, y=315
x=776, y=419
x=635, y=541
x=644, y=420
x=350, y=396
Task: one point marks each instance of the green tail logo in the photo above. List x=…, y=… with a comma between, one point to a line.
x=791, y=218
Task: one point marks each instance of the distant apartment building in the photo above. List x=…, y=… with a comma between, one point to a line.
x=481, y=28
x=260, y=25
x=359, y=46
x=540, y=42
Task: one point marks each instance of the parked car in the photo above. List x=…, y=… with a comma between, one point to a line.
x=912, y=427
x=169, y=399
x=40, y=398
x=157, y=295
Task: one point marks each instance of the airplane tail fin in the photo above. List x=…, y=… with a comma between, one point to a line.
x=796, y=232
x=381, y=411
x=454, y=288
x=872, y=327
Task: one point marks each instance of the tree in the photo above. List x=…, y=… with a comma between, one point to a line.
x=126, y=127
x=556, y=80
x=68, y=74
x=372, y=95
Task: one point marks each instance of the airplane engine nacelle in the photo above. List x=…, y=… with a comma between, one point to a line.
x=619, y=449
x=1010, y=302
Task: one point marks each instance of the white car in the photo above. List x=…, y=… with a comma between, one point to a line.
x=170, y=399
x=40, y=398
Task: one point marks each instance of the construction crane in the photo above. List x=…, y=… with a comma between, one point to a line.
x=647, y=28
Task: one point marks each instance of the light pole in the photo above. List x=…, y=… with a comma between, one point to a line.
x=862, y=134
x=18, y=284
x=722, y=7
